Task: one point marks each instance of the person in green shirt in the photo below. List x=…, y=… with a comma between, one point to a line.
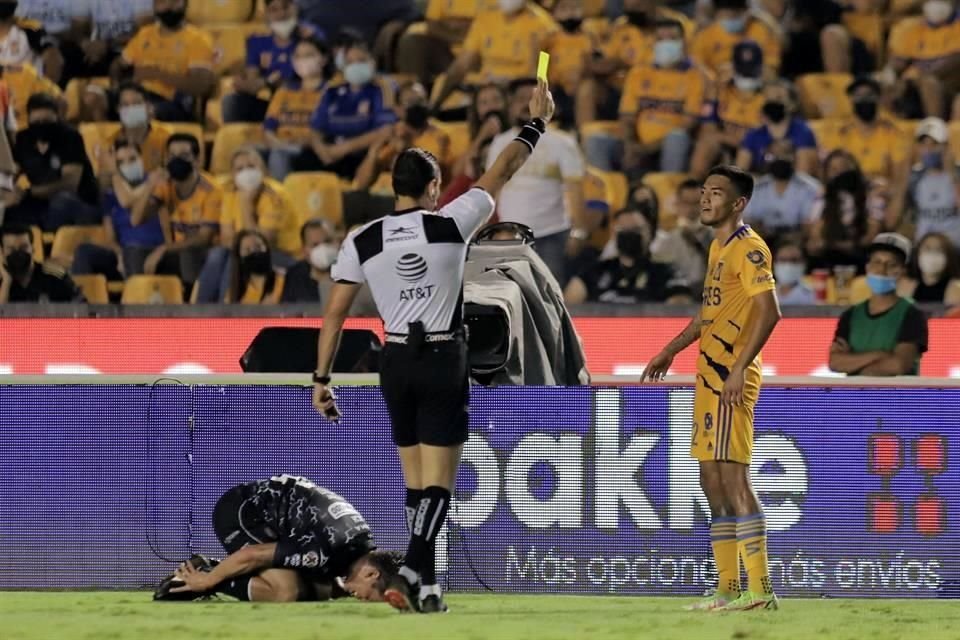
x=887, y=334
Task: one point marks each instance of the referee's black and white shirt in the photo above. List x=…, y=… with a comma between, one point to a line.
x=413, y=262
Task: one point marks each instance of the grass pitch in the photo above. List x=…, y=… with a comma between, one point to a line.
x=122, y=615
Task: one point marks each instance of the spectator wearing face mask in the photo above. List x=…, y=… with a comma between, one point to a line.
x=570, y=49
x=780, y=122
x=785, y=201
x=23, y=81
x=287, y=124
x=874, y=140
x=887, y=334
x=502, y=45
x=734, y=24
x=173, y=60
x=25, y=41
x=24, y=280
x=685, y=246
x=789, y=270
x=933, y=275
x=414, y=129
x=629, y=277
x=844, y=226
x=925, y=54
x=659, y=110
x=139, y=127
x=629, y=43
x=127, y=245
x=733, y=108
x=350, y=117
x=52, y=156
x=817, y=41
x=253, y=279
x=929, y=198
x=269, y=62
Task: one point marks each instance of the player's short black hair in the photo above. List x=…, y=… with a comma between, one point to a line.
x=413, y=171
x=741, y=180
x=15, y=230
x=189, y=138
x=40, y=101
x=388, y=563
x=689, y=183
x=520, y=83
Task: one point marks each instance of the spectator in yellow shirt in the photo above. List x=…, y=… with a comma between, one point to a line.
x=731, y=110
x=427, y=48
x=659, y=110
x=188, y=204
x=173, y=60
x=570, y=50
x=876, y=142
x=287, y=125
x=251, y=202
x=925, y=53
x=138, y=126
x=501, y=45
x=24, y=81
x=253, y=278
x=629, y=44
x=733, y=24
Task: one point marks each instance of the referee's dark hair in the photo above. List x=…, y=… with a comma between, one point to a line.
x=413, y=171
x=741, y=180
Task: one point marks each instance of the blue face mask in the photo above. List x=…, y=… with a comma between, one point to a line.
x=881, y=285
x=932, y=160
x=734, y=25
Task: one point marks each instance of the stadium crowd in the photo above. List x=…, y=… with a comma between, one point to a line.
x=218, y=151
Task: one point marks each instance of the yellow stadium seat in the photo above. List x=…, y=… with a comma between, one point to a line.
x=152, y=290
x=94, y=288
x=459, y=133
x=457, y=99
x=601, y=127
x=907, y=127
x=96, y=140
x=68, y=238
x=73, y=94
x=598, y=27
x=824, y=95
x=317, y=194
x=37, y=235
x=955, y=139
x=214, y=11
x=229, y=138
x=827, y=133
x=665, y=184
x=194, y=129
x=870, y=29
x=616, y=187
x=594, y=8
x=384, y=185
x=859, y=290
x=230, y=42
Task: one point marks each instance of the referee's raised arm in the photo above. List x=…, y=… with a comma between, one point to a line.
x=512, y=158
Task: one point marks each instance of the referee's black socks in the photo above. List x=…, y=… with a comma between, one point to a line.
x=428, y=573
x=427, y=523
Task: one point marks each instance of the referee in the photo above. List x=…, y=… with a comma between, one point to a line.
x=413, y=261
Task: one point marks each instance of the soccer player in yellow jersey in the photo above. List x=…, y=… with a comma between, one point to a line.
x=738, y=314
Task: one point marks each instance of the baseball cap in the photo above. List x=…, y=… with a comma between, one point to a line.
x=933, y=128
x=748, y=59
x=890, y=241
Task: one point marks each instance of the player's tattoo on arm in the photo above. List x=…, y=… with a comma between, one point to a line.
x=687, y=337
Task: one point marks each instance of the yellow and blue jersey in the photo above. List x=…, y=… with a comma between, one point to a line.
x=734, y=110
x=291, y=107
x=922, y=45
x=662, y=99
x=265, y=54
x=345, y=113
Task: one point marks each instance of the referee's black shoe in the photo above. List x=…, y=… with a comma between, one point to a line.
x=401, y=595
x=164, y=592
x=433, y=604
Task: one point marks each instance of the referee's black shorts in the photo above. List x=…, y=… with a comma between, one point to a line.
x=427, y=393
x=238, y=523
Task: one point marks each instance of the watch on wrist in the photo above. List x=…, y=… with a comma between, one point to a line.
x=319, y=379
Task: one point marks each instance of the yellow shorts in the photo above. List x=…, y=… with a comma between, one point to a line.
x=722, y=433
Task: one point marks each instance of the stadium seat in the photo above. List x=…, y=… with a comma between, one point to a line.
x=601, y=127
x=907, y=127
x=827, y=134
x=824, y=95
x=229, y=138
x=384, y=185
x=598, y=27
x=152, y=290
x=665, y=185
x=94, y=288
x=73, y=94
x=96, y=140
x=859, y=290
x=221, y=11
x=459, y=133
x=616, y=187
x=230, y=42
x=317, y=194
x=869, y=27
x=196, y=131
x=68, y=238
x=37, y=235
x=456, y=100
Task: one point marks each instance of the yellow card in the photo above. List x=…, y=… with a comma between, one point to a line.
x=543, y=65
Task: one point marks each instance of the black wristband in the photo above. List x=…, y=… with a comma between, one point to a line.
x=319, y=379
x=531, y=132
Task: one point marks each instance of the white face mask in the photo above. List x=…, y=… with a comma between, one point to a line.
x=937, y=11
x=133, y=172
x=307, y=67
x=283, y=28
x=134, y=115
x=932, y=262
x=511, y=6
x=788, y=273
x=323, y=256
x=747, y=84
x=667, y=53
x=358, y=73
x=248, y=179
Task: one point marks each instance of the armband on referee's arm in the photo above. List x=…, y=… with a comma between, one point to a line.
x=531, y=132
